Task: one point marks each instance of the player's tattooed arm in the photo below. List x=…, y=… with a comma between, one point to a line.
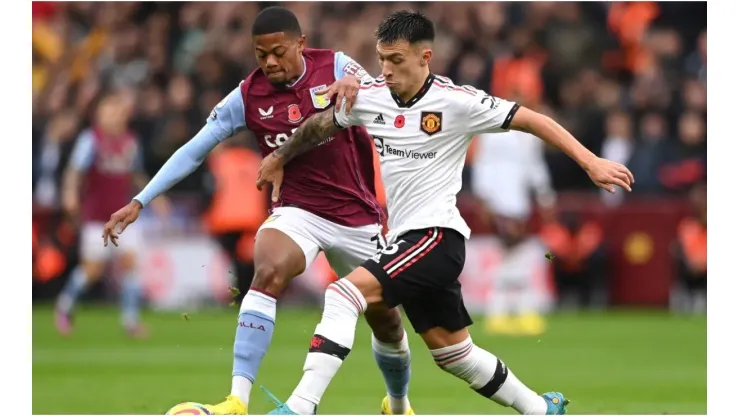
x=310, y=134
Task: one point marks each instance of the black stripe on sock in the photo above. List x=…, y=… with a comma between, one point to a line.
x=498, y=379
x=326, y=346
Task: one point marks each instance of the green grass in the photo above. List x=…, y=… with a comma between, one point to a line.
x=616, y=363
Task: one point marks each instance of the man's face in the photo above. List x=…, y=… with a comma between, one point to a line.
x=279, y=56
x=403, y=64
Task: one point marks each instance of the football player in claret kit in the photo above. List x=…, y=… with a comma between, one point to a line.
x=104, y=170
x=331, y=210
x=422, y=125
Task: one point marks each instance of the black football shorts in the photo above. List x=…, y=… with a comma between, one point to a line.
x=420, y=271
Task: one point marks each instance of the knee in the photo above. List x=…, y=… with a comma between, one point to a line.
x=271, y=278
x=128, y=262
x=342, y=299
x=386, y=324
x=93, y=270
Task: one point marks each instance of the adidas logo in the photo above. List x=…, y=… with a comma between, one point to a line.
x=379, y=119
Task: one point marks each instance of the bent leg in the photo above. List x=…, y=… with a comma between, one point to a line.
x=278, y=258
x=454, y=352
x=334, y=337
x=94, y=258
x=352, y=247
x=384, y=278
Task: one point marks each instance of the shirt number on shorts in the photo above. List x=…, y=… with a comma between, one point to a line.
x=387, y=251
x=379, y=240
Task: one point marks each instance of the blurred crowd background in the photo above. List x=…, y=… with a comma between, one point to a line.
x=627, y=79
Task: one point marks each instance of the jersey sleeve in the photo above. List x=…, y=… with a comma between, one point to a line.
x=486, y=113
x=344, y=65
x=83, y=153
x=227, y=117
x=360, y=111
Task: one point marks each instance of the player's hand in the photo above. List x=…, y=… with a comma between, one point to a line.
x=271, y=171
x=345, y=88
x=607, y=174
x=119, y=221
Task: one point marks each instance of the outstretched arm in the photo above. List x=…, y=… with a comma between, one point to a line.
x=603, y=173
x=552, y=133
x=313, y=131
x=225, y=120
x=487, y=114
x=181, y=164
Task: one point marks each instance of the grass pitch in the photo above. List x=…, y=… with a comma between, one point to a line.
x=612, y=363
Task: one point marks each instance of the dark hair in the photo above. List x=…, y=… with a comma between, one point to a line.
x=276, y=19
x=405, y=25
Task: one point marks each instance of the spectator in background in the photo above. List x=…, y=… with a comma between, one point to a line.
x=690, y=256
x=518, y=73
x=618, y=146
x=471, y=68
x=667, y=48
x=579, y=262
x=650, y=155
x=182, y=117
x=696, y=63
x=571, y=39
x=124, y=64
x=236, y=208
x=686, y=163
x=50, y=155
x=694, y=95
x=149, y=122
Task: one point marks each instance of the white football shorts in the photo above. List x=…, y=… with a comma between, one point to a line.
x=345, y=248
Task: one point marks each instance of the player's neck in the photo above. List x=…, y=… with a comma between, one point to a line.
x=112, y=131
x=416, y=88
x=301, y=73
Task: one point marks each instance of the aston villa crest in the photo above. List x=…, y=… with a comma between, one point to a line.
x=319, y=101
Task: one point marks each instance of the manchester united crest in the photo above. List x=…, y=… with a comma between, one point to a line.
x=431, y=122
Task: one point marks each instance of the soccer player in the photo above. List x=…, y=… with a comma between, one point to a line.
x=422, y=125
x=507, y=168
x=104, y=169
x=328, y=206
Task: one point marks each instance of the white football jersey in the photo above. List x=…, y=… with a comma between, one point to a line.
x=422, y=146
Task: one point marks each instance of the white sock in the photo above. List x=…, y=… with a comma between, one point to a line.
x=331, y=343
x=489, y=377
x=72, y=290
x=241, y=387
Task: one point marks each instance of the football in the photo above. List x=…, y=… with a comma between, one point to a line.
x=188, y=408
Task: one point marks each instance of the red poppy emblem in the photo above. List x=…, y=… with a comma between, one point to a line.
x=399, y=122
x=294, y=113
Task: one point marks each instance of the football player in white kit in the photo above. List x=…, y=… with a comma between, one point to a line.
x=422, y=125
x=507, y=168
